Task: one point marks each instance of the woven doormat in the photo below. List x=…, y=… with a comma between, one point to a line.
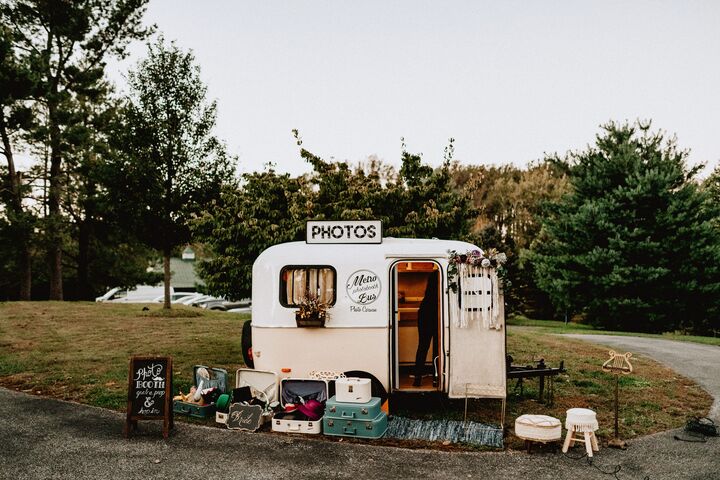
x=441, y=430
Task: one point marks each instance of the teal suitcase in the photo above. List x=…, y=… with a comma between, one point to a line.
x=353, y=411
x=360, y=420
x=342, y=427
x=218, y=378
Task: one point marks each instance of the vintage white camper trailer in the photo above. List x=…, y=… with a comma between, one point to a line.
x=375, y=290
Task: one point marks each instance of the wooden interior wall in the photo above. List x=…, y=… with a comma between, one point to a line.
x=412, y=281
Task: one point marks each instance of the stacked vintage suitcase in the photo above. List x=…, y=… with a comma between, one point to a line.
x=353, y=412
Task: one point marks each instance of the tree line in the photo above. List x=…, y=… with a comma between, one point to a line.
x=114, y=177
x=621, y=234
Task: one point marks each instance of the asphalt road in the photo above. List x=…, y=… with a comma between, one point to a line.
x=43, y=438
x=693, y=360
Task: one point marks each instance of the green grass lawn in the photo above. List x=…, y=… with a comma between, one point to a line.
x=553, y=326
x=653, y=398
x=79, y=351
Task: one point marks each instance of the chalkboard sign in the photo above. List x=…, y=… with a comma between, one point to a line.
x=245, y=417
x=149, y=391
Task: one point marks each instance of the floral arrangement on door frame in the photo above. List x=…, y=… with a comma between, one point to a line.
x=492, y=258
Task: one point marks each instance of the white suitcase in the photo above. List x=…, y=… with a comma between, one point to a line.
x=263, y=384
x=307, y=388
x=352, y=390
x=284, y=422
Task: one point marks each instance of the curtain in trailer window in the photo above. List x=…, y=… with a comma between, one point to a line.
x=326, y=288
x=313, y=281
x=299, y=286
x=308, y=281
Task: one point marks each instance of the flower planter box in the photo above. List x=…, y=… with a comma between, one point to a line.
x=312, y=321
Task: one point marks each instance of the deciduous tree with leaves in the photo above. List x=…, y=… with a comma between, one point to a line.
x=100, y=250
x=268, y=208
x=510, y=203
x=264, y=209
x=170, y=164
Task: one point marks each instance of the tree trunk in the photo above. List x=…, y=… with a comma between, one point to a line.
x=167, y=248
x=15, y=205
x=86, y=232
x=25, y=265
x=83, y=261
x=166, y=277
x=54, y=215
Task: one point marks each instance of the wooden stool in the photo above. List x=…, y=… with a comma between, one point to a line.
x=537, y=428
x=581, y=421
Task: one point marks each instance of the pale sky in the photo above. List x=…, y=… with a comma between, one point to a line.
x=508, y=80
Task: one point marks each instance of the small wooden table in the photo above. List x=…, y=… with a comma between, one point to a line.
x=540, y=371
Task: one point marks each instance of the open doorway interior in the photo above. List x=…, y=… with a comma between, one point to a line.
x=417, y=326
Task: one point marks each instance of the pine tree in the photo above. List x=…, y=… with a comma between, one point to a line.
x=16, y=87
x=635, y=245
x=66, y=45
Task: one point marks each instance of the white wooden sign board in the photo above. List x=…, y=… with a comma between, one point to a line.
x=352, y=231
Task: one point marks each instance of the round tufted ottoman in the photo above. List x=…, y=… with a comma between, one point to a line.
x=538, y=428
x=584, y=422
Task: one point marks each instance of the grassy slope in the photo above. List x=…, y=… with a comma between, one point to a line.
x=552, y=326
x=79, y=351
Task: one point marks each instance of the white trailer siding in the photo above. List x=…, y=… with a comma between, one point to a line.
x=335, y=349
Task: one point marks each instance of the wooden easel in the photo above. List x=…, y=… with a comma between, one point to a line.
x=149, y=393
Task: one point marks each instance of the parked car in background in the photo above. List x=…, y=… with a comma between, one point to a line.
x=111, y=294
x=224, y=305
x=195, y=300
x=247, y=309
x=139, y=294
x=188, y=299
x=175, y=297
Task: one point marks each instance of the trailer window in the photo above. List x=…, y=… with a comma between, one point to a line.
x=297, y=282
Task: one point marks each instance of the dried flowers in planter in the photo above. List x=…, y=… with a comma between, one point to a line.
x=312, y=312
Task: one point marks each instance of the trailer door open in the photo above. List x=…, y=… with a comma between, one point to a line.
x=476, y=351
x=412, y=279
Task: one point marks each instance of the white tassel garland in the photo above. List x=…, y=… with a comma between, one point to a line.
x=478, y=298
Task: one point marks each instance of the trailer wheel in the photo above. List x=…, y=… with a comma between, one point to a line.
x=246, y=345
x=376, y=386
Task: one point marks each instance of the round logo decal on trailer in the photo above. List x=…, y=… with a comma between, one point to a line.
x=363, y=287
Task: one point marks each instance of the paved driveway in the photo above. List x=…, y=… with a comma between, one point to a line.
x=696, y=361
